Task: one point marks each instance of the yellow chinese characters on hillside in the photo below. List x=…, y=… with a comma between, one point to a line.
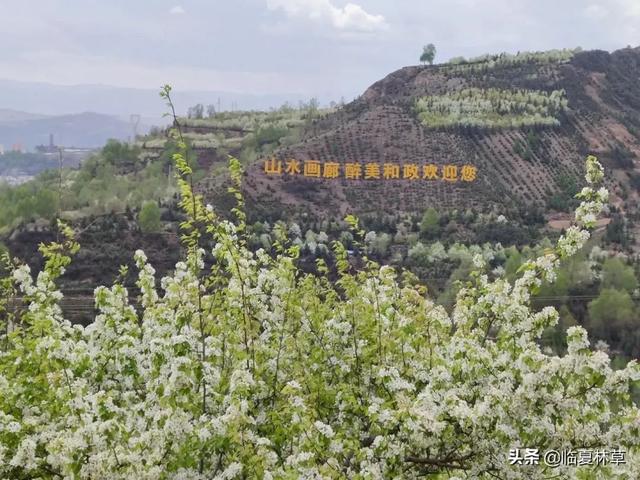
x=370, y=171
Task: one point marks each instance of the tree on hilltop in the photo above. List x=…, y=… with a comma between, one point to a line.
x=428, y=54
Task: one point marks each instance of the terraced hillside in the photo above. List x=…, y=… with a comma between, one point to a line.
x=596, y=110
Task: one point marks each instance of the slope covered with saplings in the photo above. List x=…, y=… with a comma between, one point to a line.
x=524, y=122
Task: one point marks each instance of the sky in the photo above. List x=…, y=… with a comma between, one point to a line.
x=315, y=48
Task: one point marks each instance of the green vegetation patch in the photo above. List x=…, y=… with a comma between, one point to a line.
x=284, y=117
x=492, y=108
x=109, y=181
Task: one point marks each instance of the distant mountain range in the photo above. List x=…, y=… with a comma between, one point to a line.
x=12, y=117
x=56, y=108
x=87, y=130
x=60, y=100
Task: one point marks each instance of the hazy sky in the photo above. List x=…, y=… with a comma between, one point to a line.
x=325, y=48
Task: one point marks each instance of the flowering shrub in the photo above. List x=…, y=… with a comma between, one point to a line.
x=252, y=369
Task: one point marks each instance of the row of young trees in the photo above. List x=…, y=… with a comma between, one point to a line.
x=389, y=237
x=492, y=108
x=196, y=116
x=489, y=61
x=252, y=369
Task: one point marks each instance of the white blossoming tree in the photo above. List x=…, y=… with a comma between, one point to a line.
x=251, y=369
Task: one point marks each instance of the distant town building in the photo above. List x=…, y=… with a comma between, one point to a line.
x=1, y=149
x=17, y=147
x=51, y=148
